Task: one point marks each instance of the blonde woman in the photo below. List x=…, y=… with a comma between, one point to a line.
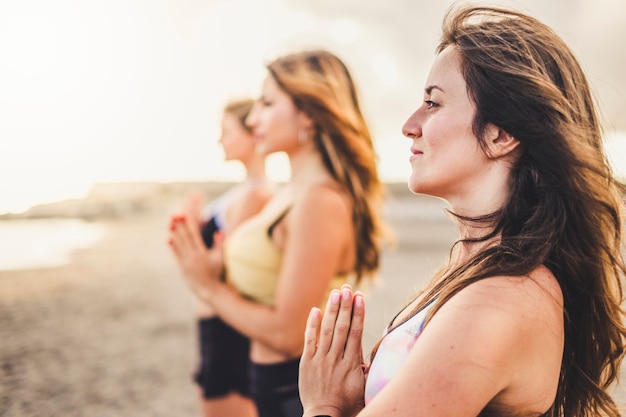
x=223, y=371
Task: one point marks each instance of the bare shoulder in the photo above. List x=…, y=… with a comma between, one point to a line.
x=520, y=309
x=524, y=296
x=512, y=328
x=324, y=200
x=322, y=214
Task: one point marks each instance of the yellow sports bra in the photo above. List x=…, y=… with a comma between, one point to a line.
x=253, y=261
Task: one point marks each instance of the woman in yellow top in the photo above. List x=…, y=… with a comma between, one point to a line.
x=320, y=228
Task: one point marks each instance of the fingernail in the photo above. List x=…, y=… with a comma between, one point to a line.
x=345, y=293
x=334, y=297
x=314, y=314
x=358, y=300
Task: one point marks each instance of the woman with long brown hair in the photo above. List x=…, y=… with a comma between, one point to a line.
x=321, y=229
x=526, y=318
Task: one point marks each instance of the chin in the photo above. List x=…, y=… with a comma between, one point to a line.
x=414, y=185
x=261, y=149
x=417, y=187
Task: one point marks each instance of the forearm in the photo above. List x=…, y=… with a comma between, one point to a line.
x=259, y=322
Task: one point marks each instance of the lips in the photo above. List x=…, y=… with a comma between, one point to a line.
x=415, y=153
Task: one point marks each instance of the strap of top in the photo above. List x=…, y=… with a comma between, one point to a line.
x=280, y=217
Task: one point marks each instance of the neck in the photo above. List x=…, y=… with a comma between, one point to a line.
x=255, y=169
x=464, y=251
x=307, y=166
x=486, y=195
x=487, y=201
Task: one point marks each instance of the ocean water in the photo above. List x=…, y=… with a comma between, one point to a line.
x=44, y=243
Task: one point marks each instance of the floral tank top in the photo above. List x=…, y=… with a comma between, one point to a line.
x=393, y=351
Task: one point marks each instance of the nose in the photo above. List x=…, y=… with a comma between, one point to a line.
x=252, y=118
x=412, y=128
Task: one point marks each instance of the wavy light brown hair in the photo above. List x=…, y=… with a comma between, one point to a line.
x=565, y=207
x=321, y=86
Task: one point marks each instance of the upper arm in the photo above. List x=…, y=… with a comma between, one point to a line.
x=489, y=341
x=319, y=234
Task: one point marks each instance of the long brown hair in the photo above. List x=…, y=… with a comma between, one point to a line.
x=565, y=207
x=321, y=86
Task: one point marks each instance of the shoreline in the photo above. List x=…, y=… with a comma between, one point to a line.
x=116, y=200
x=44, y=242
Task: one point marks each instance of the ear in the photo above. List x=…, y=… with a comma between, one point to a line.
x=500, y=142
x=304, y=121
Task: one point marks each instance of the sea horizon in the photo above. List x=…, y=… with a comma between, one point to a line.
x=44, y=243
x=120, y=190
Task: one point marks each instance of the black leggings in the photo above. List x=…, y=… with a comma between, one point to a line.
x=275, y=389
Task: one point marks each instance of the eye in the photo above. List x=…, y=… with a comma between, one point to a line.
x=262, y=101
x=430, y=104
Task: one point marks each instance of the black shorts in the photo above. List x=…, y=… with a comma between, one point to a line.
x=224, y=359
x=275, y=389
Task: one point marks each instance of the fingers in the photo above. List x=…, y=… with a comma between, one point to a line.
x=179, y=236
x=184, y=234
x=327, y=328
x=355, y=334
x=311, y=332
x=339, y=331
x=218, y=241
x=173, y=240
x=343, y=322
x=193, y=208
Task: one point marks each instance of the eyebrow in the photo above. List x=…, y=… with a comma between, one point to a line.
x=430, y=88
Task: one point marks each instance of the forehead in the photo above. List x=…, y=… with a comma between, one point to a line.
x=445, y=72
x=270, y=86
x=229, y=118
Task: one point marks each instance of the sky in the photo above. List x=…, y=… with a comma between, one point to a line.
x=132, y=90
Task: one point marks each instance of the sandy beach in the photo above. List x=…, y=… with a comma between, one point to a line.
x=111, y=333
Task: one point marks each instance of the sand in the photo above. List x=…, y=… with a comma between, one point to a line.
x=112, y=334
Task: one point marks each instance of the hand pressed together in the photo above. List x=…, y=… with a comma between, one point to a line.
x=332, y=376
x=200, y=266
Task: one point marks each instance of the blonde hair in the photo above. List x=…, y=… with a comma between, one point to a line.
x=240, y=108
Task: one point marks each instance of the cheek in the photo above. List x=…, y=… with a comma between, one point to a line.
x=447, y=135
x=279, y=120
x=246, y=146
x=227, y=148
x=282, y=130
x=241, y=146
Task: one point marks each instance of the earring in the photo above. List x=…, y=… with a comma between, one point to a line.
x=303, y=136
